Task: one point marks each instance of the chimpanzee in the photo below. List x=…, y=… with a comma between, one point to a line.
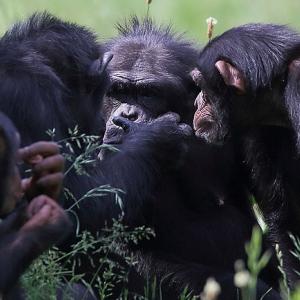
x=200, y=225
x=249, y=79
x=27, y=228
x=53, y=76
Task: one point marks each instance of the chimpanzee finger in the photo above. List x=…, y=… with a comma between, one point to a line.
x=44, y=212
x=36, y=204
x=51, y=164
x=51, y=184
x=122, y=122
x=26, y=183
x=30, y=153
x=50, y=180
x=40, y=218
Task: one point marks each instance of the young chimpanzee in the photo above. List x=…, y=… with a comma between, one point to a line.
x=249, y=80
x=28, y=226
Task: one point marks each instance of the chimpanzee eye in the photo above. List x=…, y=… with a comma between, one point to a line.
x=147, y=91
x=154, y=104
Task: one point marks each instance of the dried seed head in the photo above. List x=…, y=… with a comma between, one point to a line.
x=211, y=22
x=148, y=2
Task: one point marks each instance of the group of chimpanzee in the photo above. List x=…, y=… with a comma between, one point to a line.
x=141, y=92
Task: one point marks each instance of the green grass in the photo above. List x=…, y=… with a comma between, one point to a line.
x=186, y=15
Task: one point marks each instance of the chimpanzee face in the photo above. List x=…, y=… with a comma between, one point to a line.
x=145, y=85
x=211, y=116
x=225, y=105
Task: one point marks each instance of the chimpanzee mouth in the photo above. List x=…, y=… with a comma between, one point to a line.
x=113, y=141
x=113, y=136
x=203, y=127
x=210, y=132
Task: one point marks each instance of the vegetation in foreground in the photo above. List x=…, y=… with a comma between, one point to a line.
x=56, y=269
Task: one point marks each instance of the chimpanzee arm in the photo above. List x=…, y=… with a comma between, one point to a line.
x=47, y=224
x=272, y=168
x=145, y=156
x=17, y=252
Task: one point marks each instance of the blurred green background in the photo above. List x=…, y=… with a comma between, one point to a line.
x=186, y=15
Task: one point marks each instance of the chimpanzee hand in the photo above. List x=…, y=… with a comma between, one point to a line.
x=47, y=221
x=166, y=124
x=163, y=138
x=47, y=169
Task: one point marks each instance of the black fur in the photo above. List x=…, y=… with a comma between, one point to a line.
x=51, y=61
x=50, y=81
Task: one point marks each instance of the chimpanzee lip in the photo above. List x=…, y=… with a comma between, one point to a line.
x=113, y=136
x=203, y=127
x=112, y=141
x=198, y=132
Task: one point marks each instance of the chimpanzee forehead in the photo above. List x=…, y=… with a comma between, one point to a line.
x=138, y=56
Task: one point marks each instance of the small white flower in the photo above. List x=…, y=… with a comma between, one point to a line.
x=242, y=279
x=211, y=22
x=239, y=265
x=211, y=290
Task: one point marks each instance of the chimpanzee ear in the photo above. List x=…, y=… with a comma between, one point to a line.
x=294, y=66
x=99, y=65
x=231, y=76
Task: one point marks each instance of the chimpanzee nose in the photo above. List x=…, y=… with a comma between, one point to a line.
x=129, y=112
x=121, y=122
x=130, y=115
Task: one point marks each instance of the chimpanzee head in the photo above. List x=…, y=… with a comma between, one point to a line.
x=150, y=75
x=53, y=75
x=10, y=184
x=242, y=77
